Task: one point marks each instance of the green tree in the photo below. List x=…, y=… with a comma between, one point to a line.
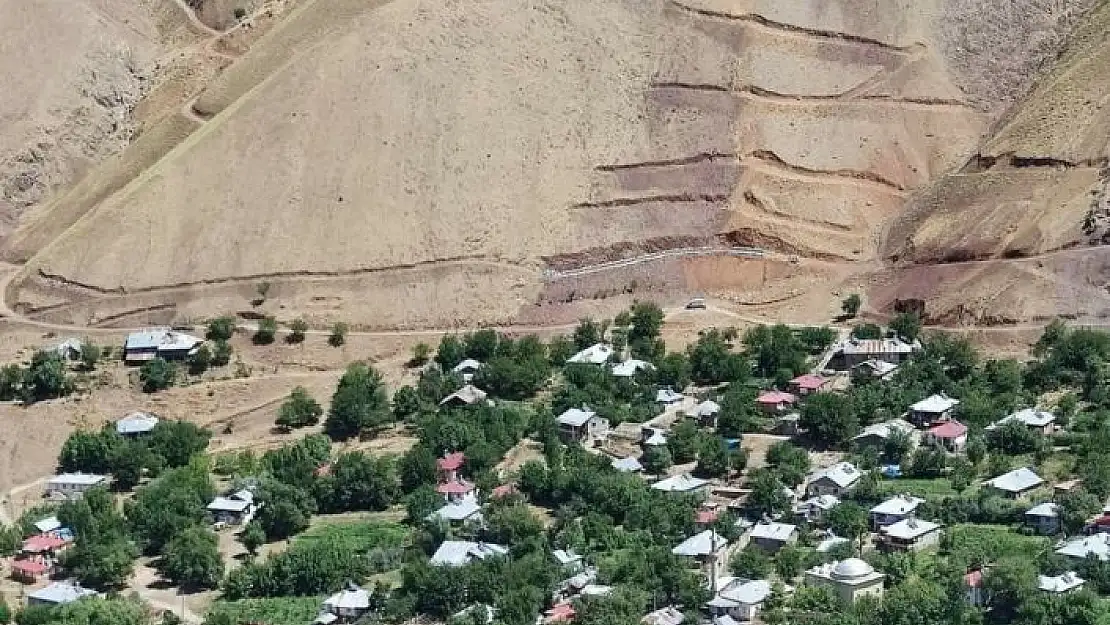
x=221, y=353
x=168, y=505
x=192, y=559
x=829, y=418
x=751, y=563
x=646, y=321
x=406, y=403
x=418, y=468
x=178, y=442
x=790, y=561
x=768, y=494
x=422, y=502
x=851, y=305
x=847, y=519
x=220, y=329
x=90, y=355
x=976, y=450
x=673, y=370
x=712, y=360
x=156, y=375
x=11, y=382
x=359, y=403
x=907, y=326
x=5, y=612
x=338, y=334
x=451, y=352
x=298, y=329
x=266, y=331
x=282, y=519
x=588, y=333
x=684, y=442
x=1075, y=508
x=299, y=410
x=739, y=413
x=713, y=458
x=200, y=360
x=45, y=379
x=105, y=563
x=867, y=331
x=88, y=452
x=657, y=459
x=421, y=354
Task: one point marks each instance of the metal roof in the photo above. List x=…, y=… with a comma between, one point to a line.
x=843, y=474
x=900, y=504
x=595, y=354
x=461, y=552
x=576, y=417
x=1016, y=481
x=679, y=484
x=910, y=529
x=136, y=423
x=773, y=531
x=703, y=544
x=935, y=404
x=83, y=479
x=60, y=593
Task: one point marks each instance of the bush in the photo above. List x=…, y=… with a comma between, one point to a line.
x=851, y=305
x=267, y=330
x=156, y=375
x=220, y=329
x=297, y=331
x=338, y=334
x=299, y=410
x=200, y=360
x=221, y=354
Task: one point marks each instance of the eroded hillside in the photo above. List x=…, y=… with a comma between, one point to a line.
x=482, y=161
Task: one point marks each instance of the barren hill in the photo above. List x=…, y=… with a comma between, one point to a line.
x=415, y=163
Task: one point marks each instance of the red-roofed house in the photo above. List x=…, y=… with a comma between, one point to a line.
x=449, y=466
x=455, y=489
x=952, y=435
x=560, y=613
x=973, y=583
x=775, y=401
x=44, y=543
x=805, y=384
x=30, y=570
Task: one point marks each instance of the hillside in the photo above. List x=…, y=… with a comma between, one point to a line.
x=476, y=162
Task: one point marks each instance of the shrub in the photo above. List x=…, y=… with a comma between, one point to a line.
x=157, y=375
x=267, y=330
x=338, y=334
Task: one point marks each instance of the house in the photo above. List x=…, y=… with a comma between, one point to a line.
x=739, y=599
x=973, y=585
x=627, y=465
x=1059, y=584
x=788, y=424
x=667, y=396
x=773, y=402
x=814, y=508
x=463, y=552
x=1044, y=518
x=468, y=368
x=1083, y=547
x=559, y=613
x=597, y=354
x=74, y=485
x=669, y=615
x=829, y=541
x=707, y=514
x=568, y=560
x=654, y=437
x=48, y=524
x=69, y=349
x=772, y=536
x=1038, y=421
x=681, y=484
x=49, y=545
x=465, y=396
x=849, y=579
x=631, y=367
x=893, y=510
x=448, y=466
x=1016, y=483
x=705, y=413
x=136, y=424
x=348, y=604
x=805, y=384
x=708, y=549
x=59, y=593
x=879, y=369
x=932, y=409
x=950, y=435
x=456, y=490
x=876, y=435
x=33, y=569
x=162, y=343
x=582, y=426
x=460, y=511
x=909, y=535
x=835, y=480
x=856, y=351
x=237, y=508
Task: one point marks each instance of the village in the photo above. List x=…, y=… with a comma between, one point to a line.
x=777, y=474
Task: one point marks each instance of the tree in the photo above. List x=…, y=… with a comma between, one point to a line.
x=684, y=441
x=298, y=329
x=673, y=370
x=790, y=562
x=45, y=379
x=713, y=460
x=422, y=502
x=657, y=459
x=156, y=375
x=220, y=329
x=768, y=494
x=1075, y=508
x=976, y=450
x=11, y=382
x=867, y=331
x=88, y=452
x=338, y=334
x=451, y=352
x=712, y=360
x=751, y=563
x=907, y=326
x=421, y=353
x=105, y=563
x=739, y=413
x=359, y=403
x=199, y=360
x=646, y=321
x=178, y=442
x=90, y=355
x=847, y=519
x=192, y=559
x=406, y=403
x=829, y=418
x=851, y=305
x=418, y=468
x=5, y=612
x=299, y=410
x=588, y=333
x=266, y=331
x=221, y=353
x=282, y=519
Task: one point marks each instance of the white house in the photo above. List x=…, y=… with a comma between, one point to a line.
x=1015, y=483
x=1083, y=547
x=59, y=593
x=596, y=354
x=815, y=508
x=627, y=465
x=163, y=343
x=681, y=484
x=465, y=396
x=1044, y=518
x=740, y=599
x=909, y=535
x=582, y=426
x=669, y=615
x=850, y=579
x=705, y=413
x=1058, y=584
x=350, y=603
x=136, y=424
x=877, y=434
x=463, y=552
x=708, y=549
x=933, y=409
x=835, y=480
x=631, y=367
x=772, y=536
x=74, y=485
x=893, y=350
x=667, y=396
x=1040, y=421
x=893, y=510
x=463, y=510
x=237, y=508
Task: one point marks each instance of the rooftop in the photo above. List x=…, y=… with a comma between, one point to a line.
x=751, y=592
x=880, y=367
x=910, y=529
x=820, y=502
x=1096, y=545
x=460, y=510
x=353, y=597
x=703, y=544
x=161, y=339
x=455, y=487
x=1016, y=481
x=664, y=616
x=468, y=364
x=630, y=367
x=773, y=531
x=627, y=465
x=876, y=347
x=576, y=417
x=852, y=571
x=461, y=552
x=595, y=354
x=935, y=404
x=49, y=524
x=809, y=382
x=948, y=430
x=680, y=484
x=136, y=423
x=1028, y=416
x=1047, y=509
x=775, y=398
x=843, y=474
x=83, y=479
x=667, y=396
x=1060, y=583
x=451, y=462
x=899, y=504
x=566, y=556
x=885, y=429
x=706, y=408
x=60, y=593
x=468, y=395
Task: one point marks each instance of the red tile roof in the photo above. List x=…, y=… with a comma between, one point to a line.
x=43, y=542
x=948, y=429
x=973, y=579
x=451, y=462
x=561, y=612
x=809, y=382
x=775, y=398
x=458, y=487
x=29, y=567
x=705, y=517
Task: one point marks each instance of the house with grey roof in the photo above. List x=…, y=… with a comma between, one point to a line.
x=136, y=424
x=459, y=511
x=59, y=593
x=1083, y=547
x=708, y=551
x=631, y=367
x=771, y=535
x=1059, y=584
x=582, y=425
x=682, y=483
x=933, y=409
x=627, y=465
x=463, y=552
x=1016, y=483
x=835, y=480
x=238, y=508
x=893, y=510
x=910, y=534
x=74, y=485
x=1044, y=518
x=705, y=413
x=739, y=599
x=1039, y=421
x=164, y=343
x=596, y=354
x=348, y=604
x=465, y=396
